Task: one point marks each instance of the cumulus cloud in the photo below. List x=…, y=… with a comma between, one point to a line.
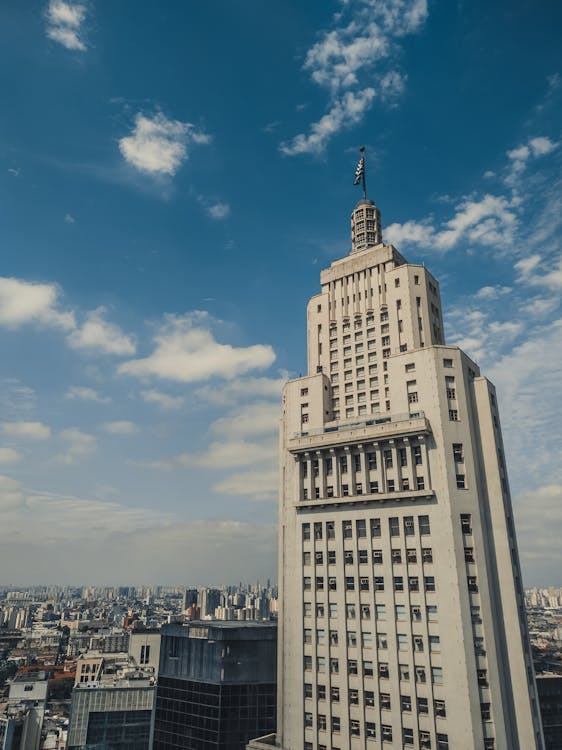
x=120, y=428
x=79, y=445
x=491, y=221
x=345, y=111
x=81, y=393
x=9, y=455
x=187, y=351
x=98, y=334
x=23, y=302
x=537, y=271
x=258, y=484
x=26, y=430
x=219, y=210
x=158, y=145
x=163, y=400
x=219, y=456
x=241, y=388
x=64, y=24
x=345, y=58
x=251, y=419
x=519, y=156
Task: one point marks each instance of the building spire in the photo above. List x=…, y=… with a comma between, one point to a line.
x=365, y=219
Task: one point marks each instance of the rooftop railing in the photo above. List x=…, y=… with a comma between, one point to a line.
x=339, y=427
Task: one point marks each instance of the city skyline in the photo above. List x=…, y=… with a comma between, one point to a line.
x=163, y=194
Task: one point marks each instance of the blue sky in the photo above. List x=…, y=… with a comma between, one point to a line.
x=173, y=177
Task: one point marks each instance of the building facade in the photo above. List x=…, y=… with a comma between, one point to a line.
x=216, y=685
x=402, y=615
x=549, y=687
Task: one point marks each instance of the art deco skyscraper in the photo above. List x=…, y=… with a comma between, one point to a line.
x=402, y=615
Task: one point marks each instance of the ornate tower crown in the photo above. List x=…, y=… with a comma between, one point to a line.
x=365, y=226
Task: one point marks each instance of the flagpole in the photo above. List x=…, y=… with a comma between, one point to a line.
x=362, y=152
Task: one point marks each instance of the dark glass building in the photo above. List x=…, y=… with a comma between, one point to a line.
x=549, y=687
x=216, y=685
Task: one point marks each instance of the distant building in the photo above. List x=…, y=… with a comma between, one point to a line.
x=21, y=717
x=549, y=687
x=216, y=685
x=209, y=600
x=116, y=716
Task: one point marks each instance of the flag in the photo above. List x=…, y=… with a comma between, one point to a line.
x=360, y=171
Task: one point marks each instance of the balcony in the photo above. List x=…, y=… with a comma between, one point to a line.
x=373, y=429
x=404, y=496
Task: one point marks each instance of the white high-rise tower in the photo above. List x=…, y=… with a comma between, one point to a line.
x=402, y=616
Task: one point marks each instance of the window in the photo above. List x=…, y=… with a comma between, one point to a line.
x=350, y=611
x=335, y=694
x=380, y=611
x=386, y=733
x=420, y=483
x=405, y=703
x=354, y=697
x=343, y=464
x=420, y=674
x=319, y=558
x=400, y=611
x=370, y=730
x=390, y=484
x=387, y=455
x=466, y=523
x=306, y=558
x=382, y=640
x=321, y=637
x=411, y=555
x=307, y=690
x=415, y=612
x=351, y=638
x=385, y=701
x=334, y=666
x=345, y=490
x=425, y=740
x=413, y=583
x=334, y=637
x=404, y=672
x=369, y=698
x=363, y=556
x=350, y=583
x=437, y=675
x=423, y=522
x=423, y=706
x=410, y=367
x=319, y=583
x=320, y=664
x=318, y=530
x=398, y=583
x=394, y=526
x=321, y=690
x=443, y=741
x=306, y=531
x=377, y=557
x=367, y=639
x=417, y=454
x=331, y=557
x=322, y=722
x=379, y=583
x=413, y=397
x=347, y=529
x=383, y=670
x=396, y=555
x=451, y=393
x=304, y=418
x=402, y=640
x=407, y=736
x=429, y=583
x=447, y=363
x=335, y=724
x=440, y=709
x=469, y=554
x=431, y=611
x=375, y=527
x=308, y=609
x=486, y=713
x=418, y=643
x=427, y=555
x=352, y=666
x=489, y=744
x=307, y=663
x=319, y=610
x=307, y=583
x=307, y=635
x=308, y=719
x=472, y=584
x=361, y=525
x=365, y=611
x=348, y=557
x=434, y=643
x=409, y=529
x=330, y=530
x=453, y=415
x=363, y=584
x=372, y=460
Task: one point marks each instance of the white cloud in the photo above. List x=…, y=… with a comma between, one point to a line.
x=81, y=393
x=490, y=220
x=123, y=427
x=186, y=351
x=241, y=388
x=158, y=145
x=519, y=157
x=251, y=419
x=64, y=23
x=79, y=445
x=492, y=292
x=220, y=456
x=11, y=495
x=364, y=35
x=345, y=111
x=23, y=302
x=9, y=455
x=69, y=219
x=27, y=430
x=219, y=210
x=97, y=334
x=258, y=484
x=164, y=400
x=538, y=520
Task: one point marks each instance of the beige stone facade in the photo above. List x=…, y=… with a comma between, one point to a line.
x=402, y=618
